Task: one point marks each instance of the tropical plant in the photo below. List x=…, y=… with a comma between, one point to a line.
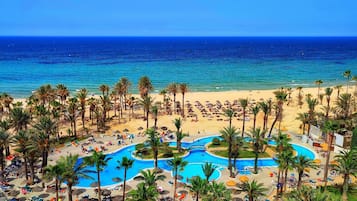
x=266, y=110
x=229, y=113
x=173, y=89
x=154, y=142
x=253, y=189
x=146, y=102
x=318, y=83
x=328, y=92
x=62, y=92
x=20, y=141
x=346, y=165
x=177, y=164
x=347, y=74
x=82, y=97
x=143, y=193
x=208, y=169
x=72, y=172
x=125, y=85
x=229, y=135
x=300, y=97
x=72, y=114
x=304, y=118
x=104, y=89
x=198, y=186
x=258, y=142
x=300, y=164
x=280, y=96
x=329, y=128
x=145, y=86
x=255, y=111
x=54, y=172
x=125, y=163
x=311, y=102
x=184, y=89
x=179, y=134
x=306, y=193
x=343, y=105
x=19, y=119
x=217, y=192
x=150, y=177
x=243, y=103
x=4, y=140
x=99, y=161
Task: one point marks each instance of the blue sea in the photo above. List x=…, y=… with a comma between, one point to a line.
x=205, y=63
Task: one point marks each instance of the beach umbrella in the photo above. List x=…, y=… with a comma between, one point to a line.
x=126, y=130
x=78, y=191
x=140, y=128
x=37, y=189
x=14, y=193
x=117, y=179
x=317, y=161
x=164, y=128
x=243, y=178
x=183, y=192
x=106, y=192
x=164, y=192
x=44, y=195
x=231, y=183
x=179, y=177
x=94, y=184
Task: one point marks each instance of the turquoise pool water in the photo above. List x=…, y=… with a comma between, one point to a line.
x=195, y=159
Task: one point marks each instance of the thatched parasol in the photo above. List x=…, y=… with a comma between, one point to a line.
x=37, y=189
x=78, y=191
x=117, y=179
x=14, y=193
x=44, y=195
x=94, y=184
x=106, y=192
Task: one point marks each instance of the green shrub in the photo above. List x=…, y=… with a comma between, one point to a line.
x=216, y=141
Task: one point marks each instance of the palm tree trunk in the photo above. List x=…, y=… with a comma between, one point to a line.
x=299, y=180
x=174, y=103
x=256, y=162
x=230, y=160
x=243, y=123
x=254, y=121
x=175, y=185
x=124, y=185
x=345, y=187
x=285, y=180
x=234, y=163
x=230, y=122
x=32, y=173
x=156, y=155
x=147, y=119
x=56, y=181
x=265, y=120
x=2, y=159
x=197, y=195
x=83, y=113
x=327, y=161
x=69, y=192
x=99, y=191
x=183, y=105
x=74, y=128
x=273, y=124
x=277, y=187
x=26, y=169
x=155, y=123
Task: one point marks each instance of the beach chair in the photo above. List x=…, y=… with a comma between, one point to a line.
x=182, y=196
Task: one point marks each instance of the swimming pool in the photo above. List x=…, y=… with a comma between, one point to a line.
x=195, y=159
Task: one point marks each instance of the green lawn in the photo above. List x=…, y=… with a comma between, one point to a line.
x=150, y=155
x=242, y=154
x=352, y=194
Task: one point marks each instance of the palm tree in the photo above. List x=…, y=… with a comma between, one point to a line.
x=306, y=193
x=82, y=96
x=265, y=109
x=318, y=83
x=255, y=111
x=4, y=140
x=99, y=161
x=253, y=189
x=300, y=97
x=62, y=92
x=208, y=169
x=145, y=86
x=72, y=171
x=229, y=113
x=229, y=135
x=177, y=164
x=338, y=88
x=20, y=141
x=184, y=89
x=243, y=103
x=125, y=163
x=257, y=141
x=6, y=100
x=146, y=102
x=328, y=92
x=104, y=89
x=217, y=192
x=154, y=142
x=150, y=177
x=304, y=118
x=19, y=119
x=346, y=165
x=72, y=114
x=329, y=128
x=125, y=83
x=42, y=144
x=154, y=111
x=198, y=186
x=173, y=89
x=54, y=172
x=285, y=163
x=347, y=74
x=45, y=94
x=311, y=102
x=300, y=164
x=144, y=193
x=179, y=134
x=354, y=78
x=343, y=105
x=280, y=96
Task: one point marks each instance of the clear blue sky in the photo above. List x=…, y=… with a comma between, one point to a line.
x=178, y=17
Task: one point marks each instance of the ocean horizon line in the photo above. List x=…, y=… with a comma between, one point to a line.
x=157, y=36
